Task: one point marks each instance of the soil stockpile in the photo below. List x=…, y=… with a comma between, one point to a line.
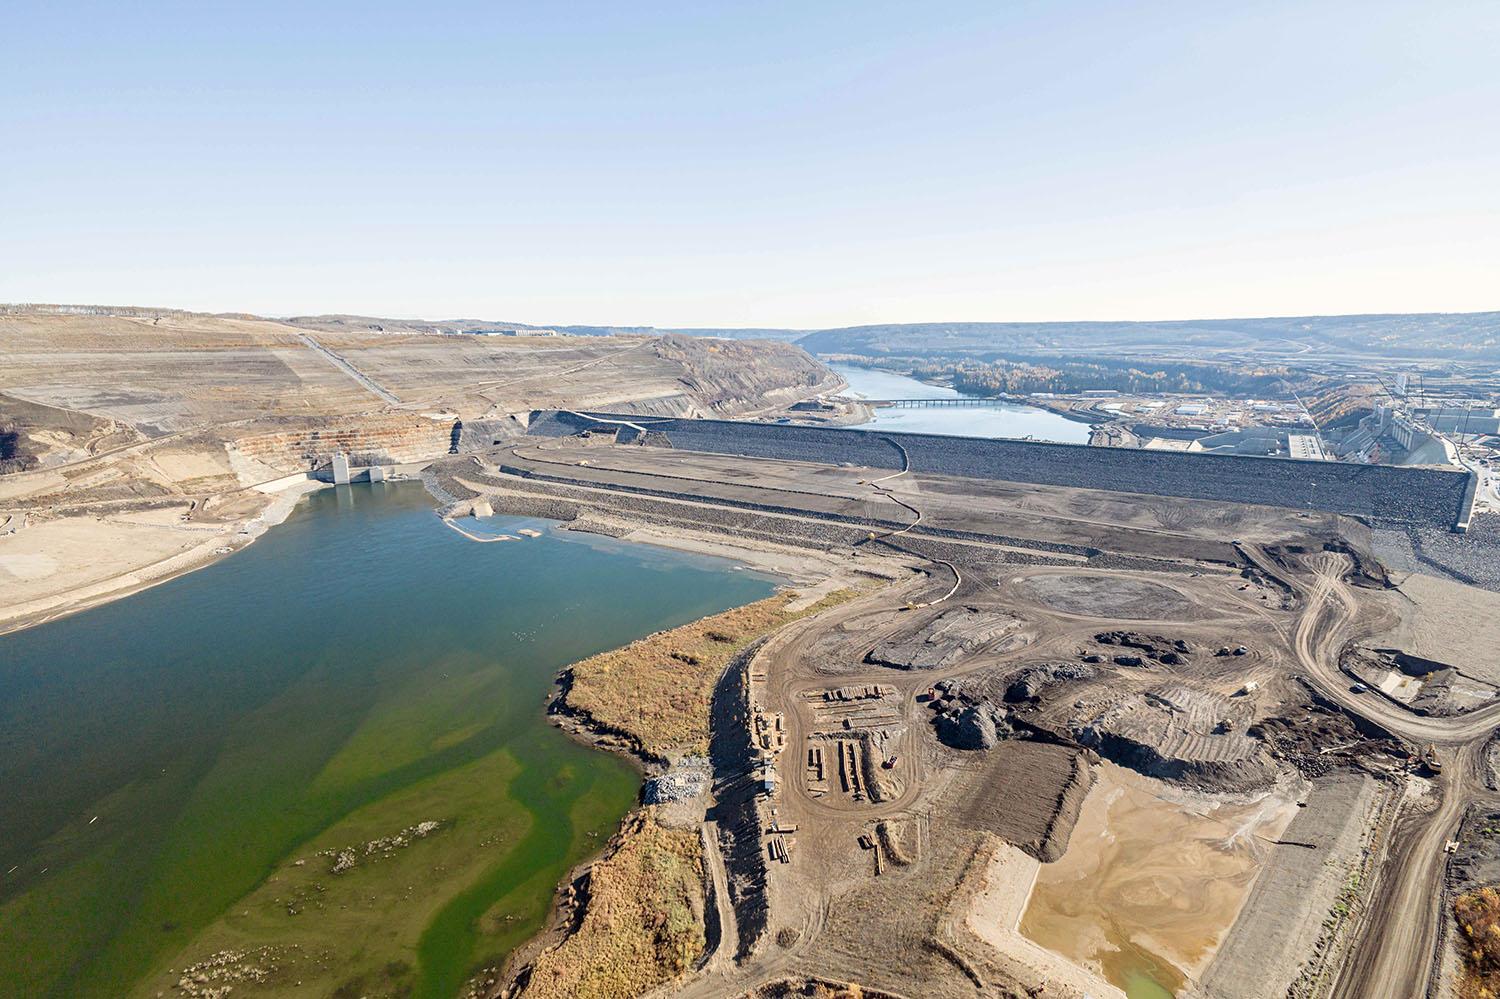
x=1029, y=795
x=945, y=640
x=1175, y=732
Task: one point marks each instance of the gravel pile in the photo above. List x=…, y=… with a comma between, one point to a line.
x=688, y=778
x=1473, y=558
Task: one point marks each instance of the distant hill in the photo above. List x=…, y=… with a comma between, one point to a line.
x=1452, y=336
x=1471, y=336
x=1466, y=336
x=377, y=324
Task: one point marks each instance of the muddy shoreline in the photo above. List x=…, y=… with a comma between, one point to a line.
x=235, y=536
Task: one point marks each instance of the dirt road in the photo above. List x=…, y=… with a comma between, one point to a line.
x=1392, y=954
x=349, y=369
x=1321, y=632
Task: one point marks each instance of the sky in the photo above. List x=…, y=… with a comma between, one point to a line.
x=797, y=164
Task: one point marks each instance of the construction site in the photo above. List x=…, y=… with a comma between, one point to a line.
x=957, y=783
x=1026, y=719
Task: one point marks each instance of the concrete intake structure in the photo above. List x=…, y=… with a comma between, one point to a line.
x=1389, y=493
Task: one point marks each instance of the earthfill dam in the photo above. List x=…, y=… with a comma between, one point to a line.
x=1430, y=497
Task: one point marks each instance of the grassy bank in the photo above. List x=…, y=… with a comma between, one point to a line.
x=644, y=922
x=655, y=692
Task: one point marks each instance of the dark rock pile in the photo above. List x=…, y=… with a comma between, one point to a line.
x=1167, y=651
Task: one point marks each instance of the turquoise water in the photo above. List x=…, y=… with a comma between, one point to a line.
x=997, y=419
x=160, y=756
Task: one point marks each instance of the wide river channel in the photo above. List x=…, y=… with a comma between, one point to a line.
x=996, y=418
x=324, y=759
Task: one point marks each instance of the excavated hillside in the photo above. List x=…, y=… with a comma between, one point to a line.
x=136, y=443
x=169, y=372
x=1342, y=403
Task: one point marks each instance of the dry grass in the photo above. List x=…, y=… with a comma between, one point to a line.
x=644, y=922
x=1478, y=915
x=656, y=691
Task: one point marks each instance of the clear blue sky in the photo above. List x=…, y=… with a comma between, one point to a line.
x=789, y=164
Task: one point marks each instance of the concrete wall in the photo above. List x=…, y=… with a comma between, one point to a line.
x=1428, y=496
x=1480, y=422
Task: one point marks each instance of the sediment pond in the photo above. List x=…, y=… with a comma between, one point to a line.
x=1149, y=887
x=321, y=766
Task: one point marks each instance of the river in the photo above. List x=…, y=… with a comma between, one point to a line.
x=997, y=419
x=181, y=769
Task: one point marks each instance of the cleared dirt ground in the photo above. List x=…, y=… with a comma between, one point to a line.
x=1426, y=608
x=1195, y=645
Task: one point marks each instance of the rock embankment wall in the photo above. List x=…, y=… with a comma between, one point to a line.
x=368, y=440
x=737, y=812
x=1428, y=496
x=1472, y=558
x=456, y=481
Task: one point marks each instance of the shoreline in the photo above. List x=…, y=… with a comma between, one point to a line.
x=238, y=535
x=571, y=901
x=235, y=535
x=810, y=574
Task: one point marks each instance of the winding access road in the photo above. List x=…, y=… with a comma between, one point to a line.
x=876, y=484
x=1394, y=942
x=1396, y=937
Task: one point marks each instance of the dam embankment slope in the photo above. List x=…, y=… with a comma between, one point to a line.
x=1434, y=497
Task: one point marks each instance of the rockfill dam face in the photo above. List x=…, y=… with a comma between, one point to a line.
x=1436, y=497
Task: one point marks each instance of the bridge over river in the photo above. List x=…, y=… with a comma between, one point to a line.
x=932, y=403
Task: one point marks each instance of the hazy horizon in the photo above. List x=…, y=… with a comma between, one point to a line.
x=544, y=324
x=783, y=167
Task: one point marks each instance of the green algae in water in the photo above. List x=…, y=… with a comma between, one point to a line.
x=1140, y=973
x=1140, y=985
x=359, y=669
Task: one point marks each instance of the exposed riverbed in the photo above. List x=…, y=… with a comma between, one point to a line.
x=322, y=760
x=997, y=418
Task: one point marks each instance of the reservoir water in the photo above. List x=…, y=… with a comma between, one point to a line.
x=232, y=774
x=997, y=419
